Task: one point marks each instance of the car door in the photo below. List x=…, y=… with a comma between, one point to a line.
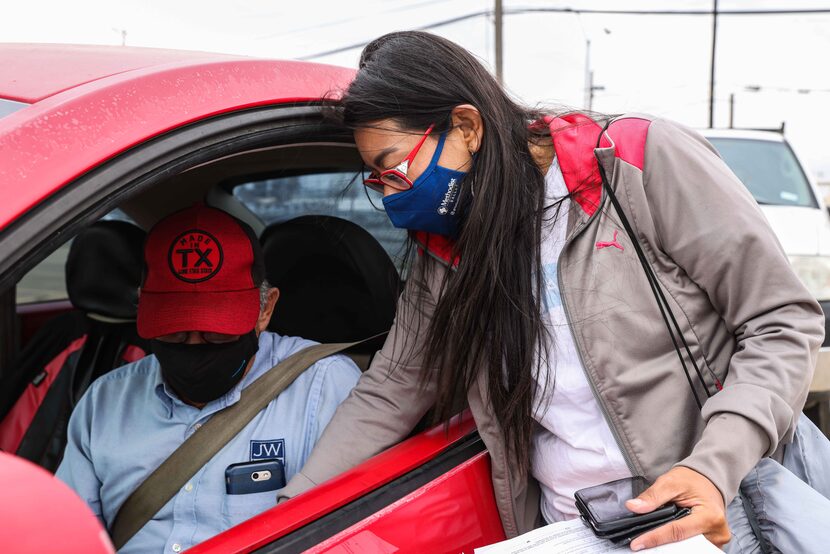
x=430, y=493
x=431, y=481
x=42, y=231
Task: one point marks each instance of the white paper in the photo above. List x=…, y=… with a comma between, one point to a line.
x=573, y=537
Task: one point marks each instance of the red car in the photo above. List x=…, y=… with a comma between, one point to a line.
x=112, y=132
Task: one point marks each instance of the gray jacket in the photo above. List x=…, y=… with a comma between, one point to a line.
x=744, y=313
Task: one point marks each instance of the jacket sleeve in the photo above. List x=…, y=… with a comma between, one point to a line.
x=388, y=400
x=710, y=225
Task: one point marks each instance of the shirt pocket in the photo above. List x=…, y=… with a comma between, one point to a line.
x=239, y=507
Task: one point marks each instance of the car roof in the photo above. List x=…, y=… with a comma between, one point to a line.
x=87, y=104
x=32, y=72
x=746, y=134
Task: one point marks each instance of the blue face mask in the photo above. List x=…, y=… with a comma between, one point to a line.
x=431, y=204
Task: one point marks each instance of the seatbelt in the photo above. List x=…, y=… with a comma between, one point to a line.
x=163, y=484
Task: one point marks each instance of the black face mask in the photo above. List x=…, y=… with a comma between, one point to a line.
x=204, y=372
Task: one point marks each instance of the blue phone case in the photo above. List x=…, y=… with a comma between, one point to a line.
x=252, y=477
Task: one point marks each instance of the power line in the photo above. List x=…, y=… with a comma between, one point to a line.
x=335, y=23
x=356, y=45
x=799, y=90
x=525, y=11
x=806, y=11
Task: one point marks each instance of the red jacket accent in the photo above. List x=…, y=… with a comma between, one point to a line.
x=574, y=139
x=132, y=353
x=438, y=246
x=14, y=426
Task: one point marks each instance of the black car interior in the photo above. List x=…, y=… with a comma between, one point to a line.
x=337, y=283
x=103, y=272
x=353, y=264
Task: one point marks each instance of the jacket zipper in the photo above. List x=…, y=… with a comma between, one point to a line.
x=597, y=397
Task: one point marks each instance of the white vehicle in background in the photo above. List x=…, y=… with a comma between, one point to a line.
x=790, y=199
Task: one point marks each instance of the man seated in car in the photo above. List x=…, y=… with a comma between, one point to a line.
x=205, y=306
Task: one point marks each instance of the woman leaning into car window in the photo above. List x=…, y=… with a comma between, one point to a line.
x=527, y=297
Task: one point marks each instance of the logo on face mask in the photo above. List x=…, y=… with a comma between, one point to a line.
x=449, y=198
x=432, y=202
x=195, y=256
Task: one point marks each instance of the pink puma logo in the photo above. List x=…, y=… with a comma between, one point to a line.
x=614, y=243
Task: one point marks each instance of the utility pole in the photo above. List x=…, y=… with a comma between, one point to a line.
x=593, y=88
x=590, y=87
x=731, y=110
x=589, y=75
x=712, y=66
x=123, y=33
x=498, y=17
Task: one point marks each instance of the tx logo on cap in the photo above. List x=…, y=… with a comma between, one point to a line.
x=195, y=256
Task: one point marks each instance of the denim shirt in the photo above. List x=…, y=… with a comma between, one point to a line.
x=129, y=422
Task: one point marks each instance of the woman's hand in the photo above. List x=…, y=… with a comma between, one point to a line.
x=688, y=489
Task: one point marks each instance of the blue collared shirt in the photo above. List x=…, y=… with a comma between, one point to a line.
x=129, y=422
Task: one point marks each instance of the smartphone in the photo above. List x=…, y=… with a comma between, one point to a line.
x=603, y=508
x=251, y=477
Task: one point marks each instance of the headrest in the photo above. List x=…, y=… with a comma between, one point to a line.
x=103, y=269
x=336, y=282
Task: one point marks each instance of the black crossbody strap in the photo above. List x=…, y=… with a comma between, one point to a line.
x=672, y=325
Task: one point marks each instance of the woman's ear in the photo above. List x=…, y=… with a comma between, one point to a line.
x=467, y=118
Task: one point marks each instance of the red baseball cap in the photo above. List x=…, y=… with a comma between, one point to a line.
x=203, y=269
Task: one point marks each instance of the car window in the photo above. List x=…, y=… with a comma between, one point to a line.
x=768, y=169
x=335, y=193
x=10, y=106
x=47, y=280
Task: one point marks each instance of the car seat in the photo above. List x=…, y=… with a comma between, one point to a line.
x=337, y=283
x=103, y=273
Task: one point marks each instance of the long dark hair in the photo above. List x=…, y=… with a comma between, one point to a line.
x=488, y=315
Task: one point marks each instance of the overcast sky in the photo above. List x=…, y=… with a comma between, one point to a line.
x=656, y=63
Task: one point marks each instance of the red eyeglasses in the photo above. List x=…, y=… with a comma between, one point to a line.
x=396, y=177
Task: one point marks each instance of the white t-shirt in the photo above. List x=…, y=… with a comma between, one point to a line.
x=573, y=446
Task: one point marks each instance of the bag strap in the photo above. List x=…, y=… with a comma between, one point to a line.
x=163, y=483
x=675, y=332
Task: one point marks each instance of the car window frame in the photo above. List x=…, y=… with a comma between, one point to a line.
x=41, y=230
x=33, y=236
x=37, y=233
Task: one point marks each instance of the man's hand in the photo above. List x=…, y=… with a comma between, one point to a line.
x=688, y=489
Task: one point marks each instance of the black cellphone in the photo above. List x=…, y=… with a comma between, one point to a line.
x=251, y=477
x=603, y=509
